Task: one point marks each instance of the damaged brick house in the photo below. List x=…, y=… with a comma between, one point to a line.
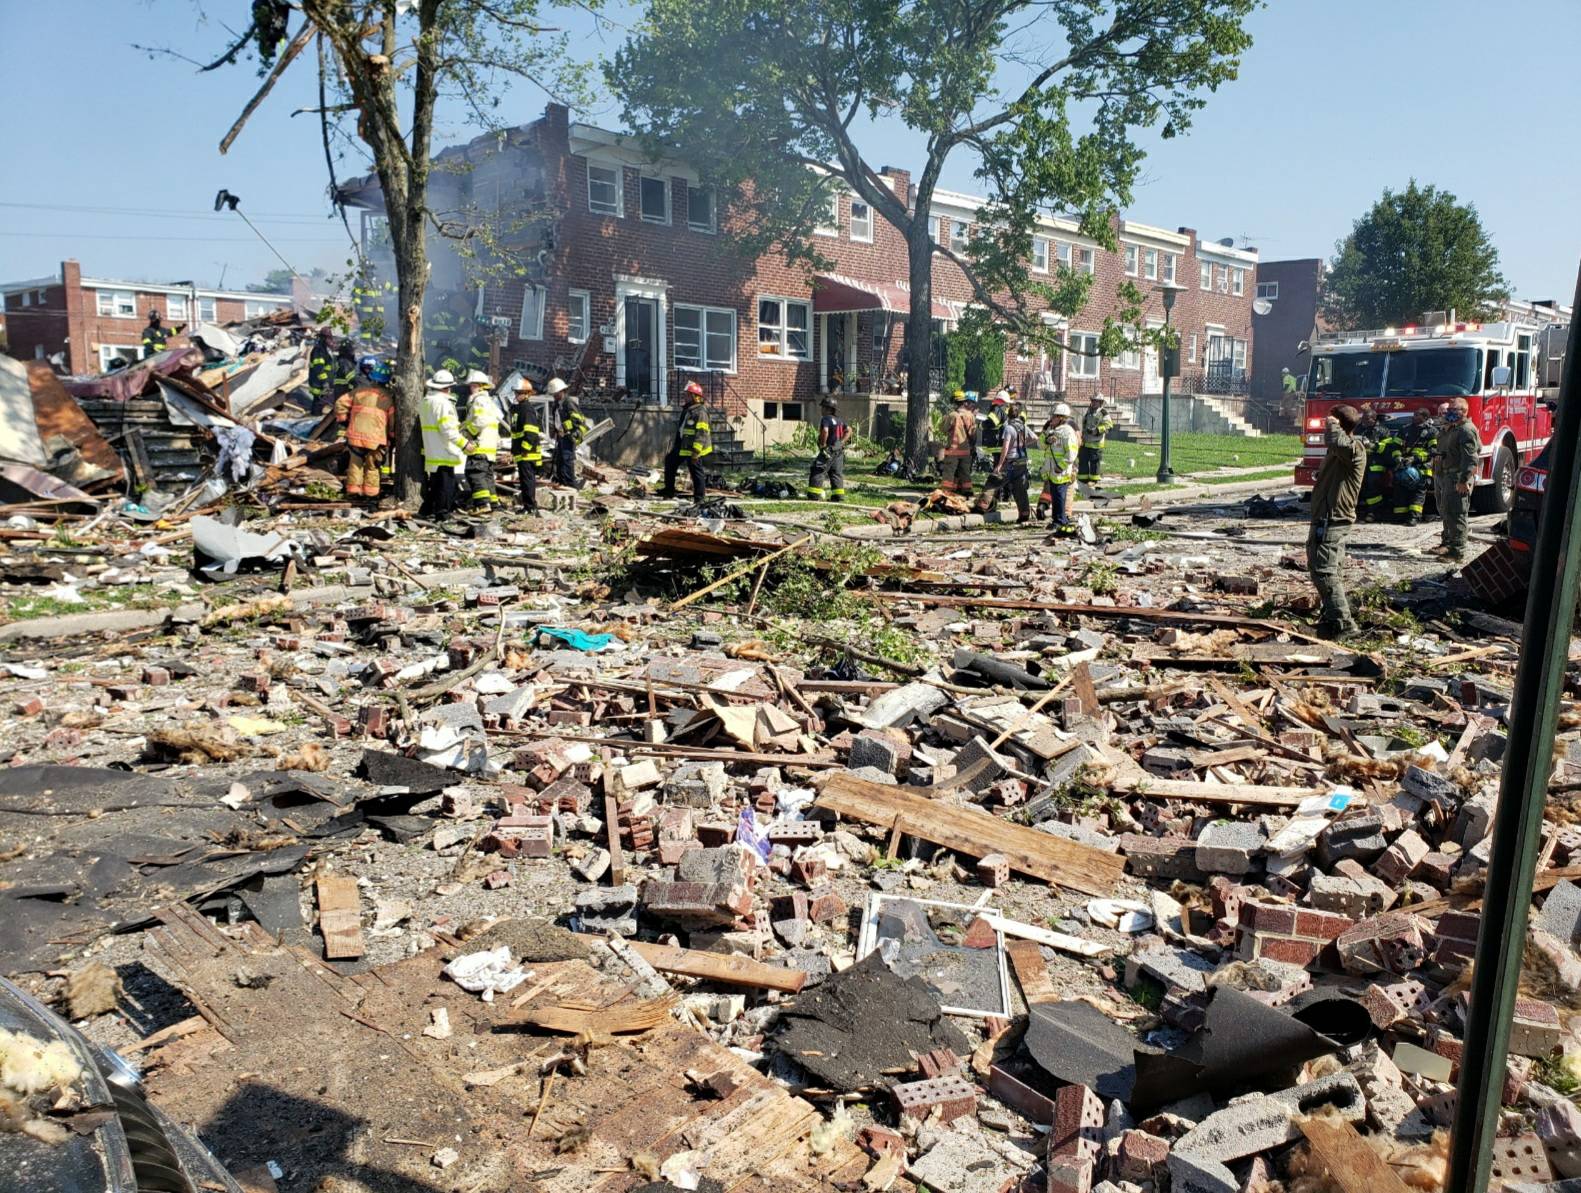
x=622, y=280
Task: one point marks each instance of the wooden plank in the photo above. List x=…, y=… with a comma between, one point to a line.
x=971, y=830
x=340, y=916
x=730, y=969
x=1086, y=694
x=1352, y=1165
x=617, y=856
x=576, y=1020
x=1210, y=793
x=1031, y=971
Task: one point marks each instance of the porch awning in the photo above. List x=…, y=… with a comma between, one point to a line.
x=832, y=294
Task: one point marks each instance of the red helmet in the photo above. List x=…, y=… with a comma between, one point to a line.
x=693, y=388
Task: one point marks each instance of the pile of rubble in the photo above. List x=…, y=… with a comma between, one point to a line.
x=1131, y=889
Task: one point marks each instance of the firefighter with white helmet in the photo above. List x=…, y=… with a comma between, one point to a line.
x=570, y=428
x=482, y=446
x=1060, y=444
x=1095, y=427
x=442, y=445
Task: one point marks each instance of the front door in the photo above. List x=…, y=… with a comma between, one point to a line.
x=641, y=321
x=835, y=341
x=1151, y=382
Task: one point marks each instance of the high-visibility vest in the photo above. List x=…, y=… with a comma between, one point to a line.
x=1059, y=462
x=692, y=437
x=572, y=423
x=367, y=413
x=1095, y=428
x=442, y=442
x=482, y=427
x=526, y=434
x=155, y=339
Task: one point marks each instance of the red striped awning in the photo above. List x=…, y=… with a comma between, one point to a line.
x=832, y=294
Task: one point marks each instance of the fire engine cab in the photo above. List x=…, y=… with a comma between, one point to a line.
x=1508, y=372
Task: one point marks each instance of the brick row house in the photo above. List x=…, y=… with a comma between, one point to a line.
x=87, y=322
x=627, y=284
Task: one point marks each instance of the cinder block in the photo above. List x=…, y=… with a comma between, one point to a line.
x=1141, y=1156
x=952, y=1095
x=1161, y=857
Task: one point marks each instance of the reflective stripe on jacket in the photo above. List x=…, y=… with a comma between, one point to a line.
x=482, y=427
x=526, y=434
x=368, y=414
x=692, y=437
x=442, y=442
x=1095, y=428
x=960, y=431
x=1059, y=462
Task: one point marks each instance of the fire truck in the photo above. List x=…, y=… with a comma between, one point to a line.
x=1507, y=371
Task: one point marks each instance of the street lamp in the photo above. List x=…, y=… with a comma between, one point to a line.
x=1170, y=359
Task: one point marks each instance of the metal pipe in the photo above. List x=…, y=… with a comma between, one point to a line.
x=1523, y=788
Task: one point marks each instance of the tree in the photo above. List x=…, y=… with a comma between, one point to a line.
x=385, y=66
x=760, y=96
x=1417, y=250
x=278, y=281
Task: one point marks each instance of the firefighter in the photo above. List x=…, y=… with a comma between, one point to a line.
x=828, y=466
x=1011, y=468
x=1413, y=475
x=526, y=444
x=345, y=376
x=570, y=428
x=1455, y=469
x=321, y=369
x=1287, y=381
x=156, y=336
x=442, y=445
x=1334, y=498
x=1367, y=429
x=960, y=445
x=1382, y=453
x=482, y=442
x=1095, y=427
x=1061, y=445
x=692, y=445
x=366, y=414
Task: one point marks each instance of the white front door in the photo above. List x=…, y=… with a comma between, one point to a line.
x=641, y=346
x=1151, y=380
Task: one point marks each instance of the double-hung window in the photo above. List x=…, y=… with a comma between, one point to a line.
x=603, y=189
x=208, y=310
x=576, y=316
x=1150, y=265
x=705, y=338
x=655, y=199
x=117, y=304
x=1237, y=282
x=861, y=222
x=1040, y=254
x=785, y=328
x=1084, y=260
x=531, y=326
x=1131, y=256
x=700, y=209
x=1206, y=268
x=1171, y=267
x=1083, y=354
x=175, y=306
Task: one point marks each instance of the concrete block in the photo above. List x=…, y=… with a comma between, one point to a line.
x=1389, y=943
x=608, y=909
x=903, y=706
x=1535, y=1030
x=1559, y=1128
x=1404, y=854
x=1261, y=1122
x=1230, y=846
x=1161, y=857
x=888, y=750
x=1561, y=913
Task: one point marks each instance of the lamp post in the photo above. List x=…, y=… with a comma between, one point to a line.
x=1169, y=359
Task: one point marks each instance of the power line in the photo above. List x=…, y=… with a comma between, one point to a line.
x=164, y=212
x=184, y=239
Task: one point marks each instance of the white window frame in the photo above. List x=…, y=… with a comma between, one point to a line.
x=1268, y=290
x=783, y=354
x=1238, y=282
x=585, y=298
x=706, y=364
x=1150, y=264
x=114, y=300
x=1191, y=349
x=107, y=352
x=1080, y=364
x=535, y=332
x=642, y=208
x=208, y=310
x=26, y=296
x=1130, y=359
x=832, y=228
x=1062, y=253
x=1038, y=241
x=1171, y=267
x=1133, y=257
x=1222, y=280
x=619, y=172
x=258, y=309
x=1205, y=275
x=951, y=224
x=712, y=225
x=176, y=306
x=1086, y=260
x=862, y=230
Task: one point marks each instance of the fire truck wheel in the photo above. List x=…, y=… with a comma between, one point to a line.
x=1498, y=497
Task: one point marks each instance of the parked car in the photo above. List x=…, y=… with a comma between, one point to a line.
x=110, y=1139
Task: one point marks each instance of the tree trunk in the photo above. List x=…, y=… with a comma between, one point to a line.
x=411, y=269
x=919, y=341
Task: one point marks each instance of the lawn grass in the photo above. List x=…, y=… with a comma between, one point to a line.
x=1192, y=452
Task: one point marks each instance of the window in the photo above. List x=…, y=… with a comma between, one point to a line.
x=700, y=209
x=832, y=227
x=603, y=190
x=531, y=327
x=1171, y=267
x=576, y=316
x=26, y=296
x=117, y=304
x=1062, y=253
x=108, y=352
x=960, y=233
x=1083, y=354
x=1268, y=290
x=1131, y=358
x=771, y=410
x=1150, y=264
x=1224, y=279
x=176, y=306
x=208, y=310
x=1207, y=275
x=1084, y=260
x=1130, y=260
x=1237, y=282
x=257, y=310
x=1040, y=254
x=790, y=411
x=1523, y=360
x=861, y=221
x=705, y=338
x=1191, y=349
x=785, y=328
x=655, y=200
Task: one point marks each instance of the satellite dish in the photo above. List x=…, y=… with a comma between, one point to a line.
x=1261, y=306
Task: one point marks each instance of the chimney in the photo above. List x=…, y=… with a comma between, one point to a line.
x=78, y=359
x=899, y=182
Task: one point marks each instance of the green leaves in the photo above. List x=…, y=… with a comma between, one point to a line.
x=1417, y=250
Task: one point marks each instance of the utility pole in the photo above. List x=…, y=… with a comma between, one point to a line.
x=1166, y=474
x=1523, y=790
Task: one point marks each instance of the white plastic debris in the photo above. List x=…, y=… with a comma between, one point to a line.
x=1124, y=915
x=487, y=973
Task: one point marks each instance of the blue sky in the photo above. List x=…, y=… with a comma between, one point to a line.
x=1336, y=100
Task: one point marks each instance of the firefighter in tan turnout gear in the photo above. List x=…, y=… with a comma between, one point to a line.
x=366, y=415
